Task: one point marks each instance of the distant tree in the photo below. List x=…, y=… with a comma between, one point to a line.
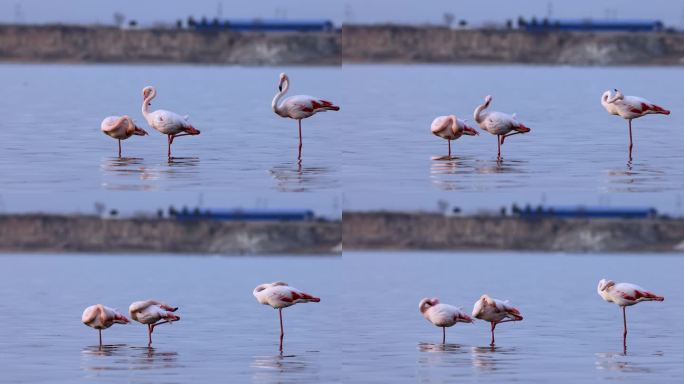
x=160, y=213
x=99, y=208
x=132, y=23
x=185, y=210
x=113, y=213
x=172, y=211
x=179, y=24
x=462, y=23
x=509, y=24
x=503, y=211
x=215, y=23
x=448, y=19
x=521, y=22
x=119, y=19
x=192, y=22
x=204, y=22
x=442, y=206
x=534, y=22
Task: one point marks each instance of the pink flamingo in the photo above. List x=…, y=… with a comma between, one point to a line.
x=279, y=295
x=498, y=123
x=624, y=295
x=442, y=315
x=120, y=128
x=495, y=311
x=298, y=107
x=152, y=313
x=451, y=128
x=629, y=107
x=101, y=317
x=169, y=123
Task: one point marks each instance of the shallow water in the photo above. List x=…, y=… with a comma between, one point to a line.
x=224, y=335
x=568, y=335
x=576, y=153
x=245, y=155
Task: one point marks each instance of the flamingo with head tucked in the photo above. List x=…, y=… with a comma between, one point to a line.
x=629, y=107
x=152, y=313
x=120, y=128
x=298, y=107
x=495, y=311
x=624, y=295
x=279, y=295
x=169, y=123
x=442, y=315
x=498, y=123
x=451, y=128
x=101, y=317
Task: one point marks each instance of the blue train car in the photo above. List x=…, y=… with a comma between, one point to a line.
x=590, y=212
x=590, y=25
x=247, y=214
x=267, y=25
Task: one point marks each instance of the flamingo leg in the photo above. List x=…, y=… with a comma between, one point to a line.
x=119, y=147
x=630, y=139
x=170, y=140
x=282, y=333
x=624, y=322
x=100, y=331
x=493, y=326
x=149, y=334
x=449, y=141
x=510, y=134
x=498, y=141
x=443, y=335
x=299, y=156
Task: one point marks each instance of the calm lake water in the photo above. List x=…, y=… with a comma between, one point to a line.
x=245, y=156
x=575, y=154
x=224, y=335
x=568, y=335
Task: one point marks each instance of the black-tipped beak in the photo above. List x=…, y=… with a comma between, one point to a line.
x=280, y=88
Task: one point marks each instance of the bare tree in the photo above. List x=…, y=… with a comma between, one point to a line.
x=119, y=19
x=448, y=19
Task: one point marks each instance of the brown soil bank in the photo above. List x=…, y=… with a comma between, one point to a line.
x=403, y=231
x=410, y=44
x=47, y=233
x=112, y=45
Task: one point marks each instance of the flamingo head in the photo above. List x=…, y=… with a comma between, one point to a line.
x=426, y=303
x=522, y=128
x=470, y=131
x=283, y=79
x=139, y=131
x=149, y=93
x=604, y=284
x=121, y=319
x=463, y=318
x=488, y=99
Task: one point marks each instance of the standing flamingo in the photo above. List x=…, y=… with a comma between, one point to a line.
x=442, y=315
x=498, y=123
x=629, y=107
x=279, y=295
x=121, y=128
x=624, y=295
x=169, y=123
x=495, y=311
x=152, y=313
x=100, y=317
x=451, y=128
x=298, y=107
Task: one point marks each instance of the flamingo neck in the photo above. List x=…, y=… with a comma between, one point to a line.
x=275, y=104
x=454, y=125
x=145, y=105
x=478, y=111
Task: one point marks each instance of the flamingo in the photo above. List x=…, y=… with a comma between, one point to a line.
x=442, y=315
x=451, y=128
x=152, y=313
x=169, y=123
x=101, y=317
x=120, y=128
x=298, y=107
x=495, y=311
x=624, y=295
x=498, y=123
x=629, y=107
x=279, y=295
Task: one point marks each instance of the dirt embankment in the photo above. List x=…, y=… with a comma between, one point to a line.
x=411, y=44
x=403, y=231
x=52, y=233
x=80, y=44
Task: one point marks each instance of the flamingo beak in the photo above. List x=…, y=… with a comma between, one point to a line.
x=192, y=131
x=280, y=88
x=122, y=319
x=470, y=131
x=139, y=131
